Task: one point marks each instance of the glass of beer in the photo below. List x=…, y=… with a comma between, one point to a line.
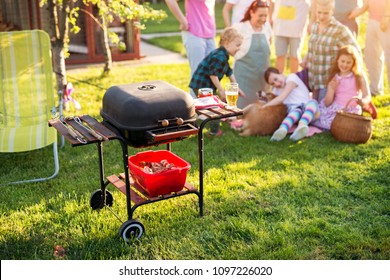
x=231, y=91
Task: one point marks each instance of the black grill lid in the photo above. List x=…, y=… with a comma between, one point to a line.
x=140, y=106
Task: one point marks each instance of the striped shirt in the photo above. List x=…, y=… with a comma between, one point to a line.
x=323, y=48
x=215, y=64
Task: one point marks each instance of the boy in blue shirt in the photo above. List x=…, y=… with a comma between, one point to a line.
x=215, y=66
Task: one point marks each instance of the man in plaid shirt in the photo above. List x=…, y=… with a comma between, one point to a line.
x=327, y=35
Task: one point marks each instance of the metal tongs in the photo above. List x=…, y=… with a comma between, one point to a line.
x=90, y=129
x=73, y=132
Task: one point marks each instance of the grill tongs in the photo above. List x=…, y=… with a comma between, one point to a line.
x=73, y=132
x=90, y=130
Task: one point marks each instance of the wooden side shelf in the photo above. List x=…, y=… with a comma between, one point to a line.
x=217, y=112
x=90, y=122
x=138, y=194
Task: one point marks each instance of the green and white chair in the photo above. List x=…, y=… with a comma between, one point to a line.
x=27, y=96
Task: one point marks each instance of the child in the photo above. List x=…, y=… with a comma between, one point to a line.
x=292, y=92
x=346, y=80
x=290, y=19
x=214, y=66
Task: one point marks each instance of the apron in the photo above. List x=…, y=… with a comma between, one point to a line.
x=249, y=70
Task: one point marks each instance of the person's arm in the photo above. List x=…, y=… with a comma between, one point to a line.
x=345, y=37
x=226, y=13
x=218, y=85
x=279, y=99
x=176, y=11
x=359, y=10
x=385, y=21
x=303, y=63
x=271, y=12
x=329, y=97
x=366, y=95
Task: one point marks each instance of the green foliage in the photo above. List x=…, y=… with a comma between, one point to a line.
x=314, y=199
x=126, y=10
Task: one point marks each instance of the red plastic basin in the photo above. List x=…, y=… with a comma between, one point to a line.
x=165, y=182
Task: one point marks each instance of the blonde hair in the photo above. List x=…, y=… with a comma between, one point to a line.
x=229, y=35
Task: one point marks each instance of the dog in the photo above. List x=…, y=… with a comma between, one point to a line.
x=262, y=121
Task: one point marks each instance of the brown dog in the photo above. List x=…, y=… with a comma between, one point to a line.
x=262, y=121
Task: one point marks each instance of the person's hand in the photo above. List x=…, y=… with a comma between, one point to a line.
x=333, y=83
x=184, y=26
x=353, y=14
x=384, y=24
x=303, y=64
x=222, y=94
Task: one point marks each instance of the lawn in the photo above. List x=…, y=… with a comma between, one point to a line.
x=314, y=199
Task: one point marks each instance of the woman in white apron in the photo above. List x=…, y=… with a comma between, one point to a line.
x=253, y=57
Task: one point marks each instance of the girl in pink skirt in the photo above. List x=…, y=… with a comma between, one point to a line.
x=346, y=80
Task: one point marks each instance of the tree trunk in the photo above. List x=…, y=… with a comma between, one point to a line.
x=58, y=32
x=59, y=64
x=106, y=49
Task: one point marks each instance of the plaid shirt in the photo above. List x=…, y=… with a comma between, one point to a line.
x=323, y=50
x=215, y=64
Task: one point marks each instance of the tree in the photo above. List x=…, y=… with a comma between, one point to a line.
x=124, y=10
x=63, y=13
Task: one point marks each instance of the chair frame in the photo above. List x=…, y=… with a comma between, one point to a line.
x=54, y=112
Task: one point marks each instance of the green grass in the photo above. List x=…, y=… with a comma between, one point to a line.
x=315, y=199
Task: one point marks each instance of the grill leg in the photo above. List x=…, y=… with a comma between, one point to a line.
x=201, y=164
x=125, y=153
x=101, y=167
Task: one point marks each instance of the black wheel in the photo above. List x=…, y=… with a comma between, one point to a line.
x=131, y=229
x=96, y=200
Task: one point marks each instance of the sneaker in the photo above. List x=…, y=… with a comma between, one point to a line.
x=300, y=132
x=279, y=134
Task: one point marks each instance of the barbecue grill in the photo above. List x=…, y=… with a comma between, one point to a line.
x=149, y=113
x=140, y=115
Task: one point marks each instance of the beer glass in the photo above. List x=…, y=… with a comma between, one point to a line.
x=231, y=91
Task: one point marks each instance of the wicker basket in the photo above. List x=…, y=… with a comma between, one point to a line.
x=351, y=128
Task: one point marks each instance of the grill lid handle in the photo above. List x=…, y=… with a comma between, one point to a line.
x=147, y=87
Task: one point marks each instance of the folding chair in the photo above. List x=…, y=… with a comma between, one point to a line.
x=27, y=98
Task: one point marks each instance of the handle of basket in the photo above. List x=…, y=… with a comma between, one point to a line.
x=349, y=101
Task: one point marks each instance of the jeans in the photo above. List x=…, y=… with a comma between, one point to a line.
x=197, y=48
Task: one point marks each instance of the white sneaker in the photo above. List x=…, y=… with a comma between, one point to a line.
x=299, y=133
x=279, y=134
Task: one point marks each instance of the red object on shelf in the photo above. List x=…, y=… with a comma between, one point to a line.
x=165, y=182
